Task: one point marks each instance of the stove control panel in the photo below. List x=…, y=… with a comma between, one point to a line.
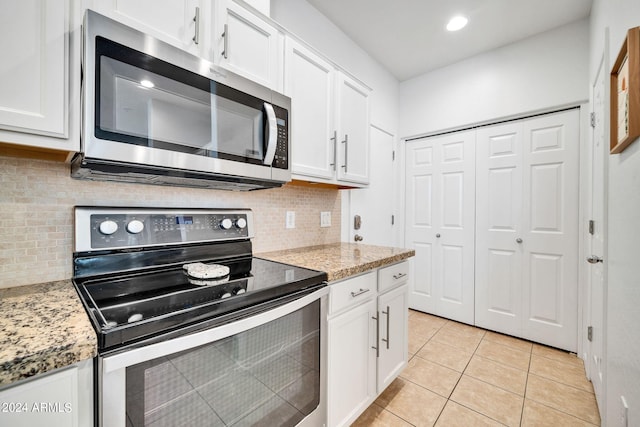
x=116, y=228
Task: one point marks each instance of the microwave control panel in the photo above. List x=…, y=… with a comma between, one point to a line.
x=281, y=159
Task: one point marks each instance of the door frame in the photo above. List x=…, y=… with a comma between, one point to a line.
x=585, y=246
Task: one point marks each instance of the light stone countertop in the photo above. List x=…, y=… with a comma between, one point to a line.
x=42, y=327
x=340, y=260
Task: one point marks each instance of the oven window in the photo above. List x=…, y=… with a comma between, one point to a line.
x=268, y=375
x=142, y=100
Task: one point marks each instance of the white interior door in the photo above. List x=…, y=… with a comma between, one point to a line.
x=595, y=362
x=440, y=208
x=550, y=229
x=527, y=228
x=375, y=203
x=498, y=228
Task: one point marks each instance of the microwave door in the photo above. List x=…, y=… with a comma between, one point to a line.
x=271, y=130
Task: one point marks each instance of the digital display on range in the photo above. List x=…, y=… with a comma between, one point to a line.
x=184, y=220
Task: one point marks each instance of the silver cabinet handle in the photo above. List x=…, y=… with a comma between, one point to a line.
x=225, y=36
x=438, y=235
x=358, y=238
x=377, y=347
x=399, y=276
x=196, y=19
x=334, y=138
x=360, y=292
x=346, y=152
x=594, y=259
x=518, y=240
x=388, y=313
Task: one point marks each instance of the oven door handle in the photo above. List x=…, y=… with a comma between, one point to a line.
x=134, y=356
x=271, y=129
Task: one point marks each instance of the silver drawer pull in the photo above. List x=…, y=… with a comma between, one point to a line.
x=360, y=292
x=399, y=276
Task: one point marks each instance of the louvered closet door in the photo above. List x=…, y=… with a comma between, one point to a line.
x=440, y=224
x=526, y=229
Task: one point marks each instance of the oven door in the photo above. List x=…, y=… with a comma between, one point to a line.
x=267, y=369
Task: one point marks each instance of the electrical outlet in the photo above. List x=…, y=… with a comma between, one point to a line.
x=325, y=219
x=290, y=221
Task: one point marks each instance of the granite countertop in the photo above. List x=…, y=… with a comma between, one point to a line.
x=42, y=327
x=340, y=260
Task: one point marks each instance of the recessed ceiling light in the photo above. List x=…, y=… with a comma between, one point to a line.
x=147, y=83
x=457, y=23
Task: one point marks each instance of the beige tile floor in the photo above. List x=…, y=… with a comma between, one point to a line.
x=459, y=375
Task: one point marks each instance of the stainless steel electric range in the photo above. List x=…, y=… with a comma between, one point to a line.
x=192, y=328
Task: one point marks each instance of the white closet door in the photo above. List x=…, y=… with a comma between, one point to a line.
x=440, y=224
x=550, y=229
x=498, y=213
x=526, y=228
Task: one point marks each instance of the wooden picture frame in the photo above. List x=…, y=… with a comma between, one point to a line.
x=625, y=94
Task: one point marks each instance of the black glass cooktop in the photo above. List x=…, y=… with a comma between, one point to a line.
x=139, y=306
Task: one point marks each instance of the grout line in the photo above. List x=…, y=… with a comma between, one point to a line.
x=474, y=353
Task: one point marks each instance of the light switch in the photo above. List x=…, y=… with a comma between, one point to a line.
x=290, y=221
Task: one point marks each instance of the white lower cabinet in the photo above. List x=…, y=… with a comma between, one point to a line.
x=368, y=320
x=392, y=311
x=62, y=398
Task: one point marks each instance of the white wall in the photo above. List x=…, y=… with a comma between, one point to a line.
x=623, y=334
x=547, y=70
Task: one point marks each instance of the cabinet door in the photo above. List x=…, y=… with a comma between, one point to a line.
x=353, y=130
x=247, y=45
x=63, y=398
x=393, y=332
x=34, y=68
x=440, y=205
x=309, y=83
x=352, y=363
x=169, y=20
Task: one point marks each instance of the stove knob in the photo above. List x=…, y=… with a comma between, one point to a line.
x=135, y=226
x=241, y=223
x=226, y=224
x=108, y=227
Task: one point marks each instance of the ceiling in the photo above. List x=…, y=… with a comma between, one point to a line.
x=409, y=38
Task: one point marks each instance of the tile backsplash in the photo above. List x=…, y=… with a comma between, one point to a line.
x=36, y=215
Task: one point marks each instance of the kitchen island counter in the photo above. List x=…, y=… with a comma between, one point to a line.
x=42, y=327
x=340, y=260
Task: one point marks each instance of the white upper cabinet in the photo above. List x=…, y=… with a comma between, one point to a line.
x=309, y=81
x=180, y=23
x=34, y=72
x=353, y=130
x=330, y=119
x=247, y=45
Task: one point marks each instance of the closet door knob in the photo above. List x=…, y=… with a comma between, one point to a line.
x=438, y=235
x=518, y=240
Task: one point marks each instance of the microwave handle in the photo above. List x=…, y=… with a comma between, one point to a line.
x=272, y=132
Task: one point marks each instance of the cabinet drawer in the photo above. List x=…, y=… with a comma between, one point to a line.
x=393, y=275
x=351, y=292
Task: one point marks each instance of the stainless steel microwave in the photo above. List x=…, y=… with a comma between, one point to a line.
x=156, y=114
